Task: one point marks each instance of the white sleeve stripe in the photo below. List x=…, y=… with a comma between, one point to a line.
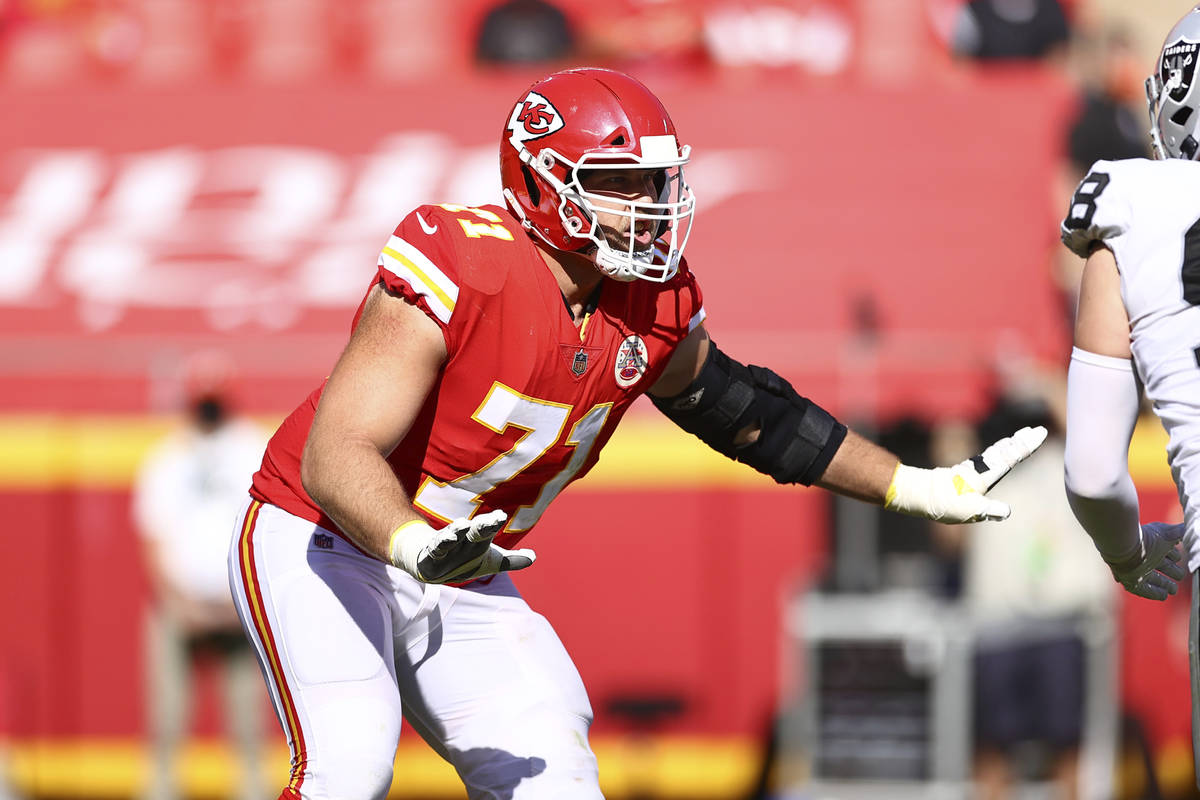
x=1097, y=360
x=422, y=263
x=696, y=319
x=406, y=262
x=401, y=267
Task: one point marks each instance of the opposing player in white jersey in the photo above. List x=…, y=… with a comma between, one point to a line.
x=1137, y=222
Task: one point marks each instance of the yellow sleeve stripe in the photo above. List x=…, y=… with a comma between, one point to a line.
x=696, y=319
x=409, y=263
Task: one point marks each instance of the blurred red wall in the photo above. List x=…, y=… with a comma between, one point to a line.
x=881, y=248
x=138, y=224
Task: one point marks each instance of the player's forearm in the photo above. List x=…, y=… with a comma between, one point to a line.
x=860, y=469
x=946, y=494
x=1110, y=516
x=1102, y=407
x=352, y=482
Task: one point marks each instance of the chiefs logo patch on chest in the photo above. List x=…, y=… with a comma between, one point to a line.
x=631, y=361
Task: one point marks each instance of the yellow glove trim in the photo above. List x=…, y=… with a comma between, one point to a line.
x=393, y=554
x=890, y=497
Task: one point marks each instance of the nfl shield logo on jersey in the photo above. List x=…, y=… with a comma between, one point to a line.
x=631, y=361
x=577, y=358
x=579, y=362
x=1178, y=68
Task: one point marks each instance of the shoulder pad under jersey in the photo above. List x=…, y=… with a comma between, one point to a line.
x=1099, y=209
x=437, y=251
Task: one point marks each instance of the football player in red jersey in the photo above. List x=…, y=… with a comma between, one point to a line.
x=493, y=355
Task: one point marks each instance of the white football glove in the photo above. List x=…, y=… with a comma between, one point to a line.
x=461, y=551
x=1154, y=572
x=958, y=493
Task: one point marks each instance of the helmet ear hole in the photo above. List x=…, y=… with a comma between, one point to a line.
x=1188, y=148
x=535, y=193
x=1182, y=116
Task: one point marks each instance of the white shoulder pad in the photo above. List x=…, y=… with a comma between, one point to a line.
x=1099, y=209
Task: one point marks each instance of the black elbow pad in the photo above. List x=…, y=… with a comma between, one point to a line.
x=796, y=440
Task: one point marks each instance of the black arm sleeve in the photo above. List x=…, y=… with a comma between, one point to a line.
x=797, y=438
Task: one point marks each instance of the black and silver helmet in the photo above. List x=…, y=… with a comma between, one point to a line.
x=1172, y=93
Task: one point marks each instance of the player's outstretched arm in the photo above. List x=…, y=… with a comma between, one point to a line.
x=754, y=416
x=369, y=403
x=959, y=493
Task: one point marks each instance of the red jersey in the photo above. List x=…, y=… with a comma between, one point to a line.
x=525, y=399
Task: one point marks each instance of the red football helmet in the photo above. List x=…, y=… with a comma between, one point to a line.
x=584, y=119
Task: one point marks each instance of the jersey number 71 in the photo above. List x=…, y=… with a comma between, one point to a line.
x=543, y=422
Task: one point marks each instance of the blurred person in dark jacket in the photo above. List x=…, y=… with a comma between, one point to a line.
x=1109, y=123
x=524, y=31
x=1010, y=30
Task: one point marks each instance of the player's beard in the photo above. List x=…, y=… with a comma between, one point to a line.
x=619, y=241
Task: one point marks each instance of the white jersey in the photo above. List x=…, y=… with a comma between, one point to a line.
x=188, y=490
x=1148, y=214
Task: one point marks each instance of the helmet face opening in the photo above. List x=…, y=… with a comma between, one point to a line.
x=613, y=123
x=663, y=221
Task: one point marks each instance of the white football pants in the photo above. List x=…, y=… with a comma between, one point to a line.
x=348, y=644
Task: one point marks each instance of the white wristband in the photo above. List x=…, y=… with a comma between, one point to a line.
x=944, y=494
x=911, y=490
x=404, y=548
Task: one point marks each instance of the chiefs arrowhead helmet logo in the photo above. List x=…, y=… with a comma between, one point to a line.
x=531, y=118
x=535, y=116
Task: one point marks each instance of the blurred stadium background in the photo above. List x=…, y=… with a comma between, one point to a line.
x=877, y=221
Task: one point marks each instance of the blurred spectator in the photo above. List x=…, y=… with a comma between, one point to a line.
x=1030, y=583
x=995, y=30
x=1110, y=123
x=186, y=498
x=6, y=790
x=812, y=36
x=632, y=33
x=524, y=31
x=49, y=40
x=6, y=793
x=112, y=34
